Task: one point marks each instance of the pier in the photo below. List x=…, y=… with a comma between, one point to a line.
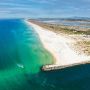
x=57, y=67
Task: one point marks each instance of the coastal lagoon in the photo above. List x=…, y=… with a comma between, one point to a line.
x=82, y=24
x=22, y=55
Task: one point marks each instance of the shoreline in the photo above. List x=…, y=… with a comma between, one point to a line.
x=58, y=46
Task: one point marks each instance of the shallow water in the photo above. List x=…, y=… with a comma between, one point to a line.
x=21, y=57
x=21, y=54
x=82, y=24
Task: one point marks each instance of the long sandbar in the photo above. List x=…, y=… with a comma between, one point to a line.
x=58, y=45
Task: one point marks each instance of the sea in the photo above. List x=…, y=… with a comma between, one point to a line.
x=22, y=56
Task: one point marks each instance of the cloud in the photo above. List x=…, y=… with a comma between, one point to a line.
x=37, y=8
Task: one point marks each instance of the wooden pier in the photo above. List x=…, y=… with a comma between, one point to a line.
x=57, y=67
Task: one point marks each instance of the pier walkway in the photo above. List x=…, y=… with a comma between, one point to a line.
x=57, y=67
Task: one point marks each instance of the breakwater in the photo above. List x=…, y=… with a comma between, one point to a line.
x=58, y=67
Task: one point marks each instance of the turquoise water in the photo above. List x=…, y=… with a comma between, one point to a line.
x=21, y=57
x=21, y=54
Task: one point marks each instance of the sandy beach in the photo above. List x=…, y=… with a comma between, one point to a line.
x=59, y=46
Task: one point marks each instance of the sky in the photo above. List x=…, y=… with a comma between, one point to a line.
x=44, y=8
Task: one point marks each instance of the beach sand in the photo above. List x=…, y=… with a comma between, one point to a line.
x=58, y=45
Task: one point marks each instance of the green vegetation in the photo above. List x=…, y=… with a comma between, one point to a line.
x=63, y=29
x=83, y=46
